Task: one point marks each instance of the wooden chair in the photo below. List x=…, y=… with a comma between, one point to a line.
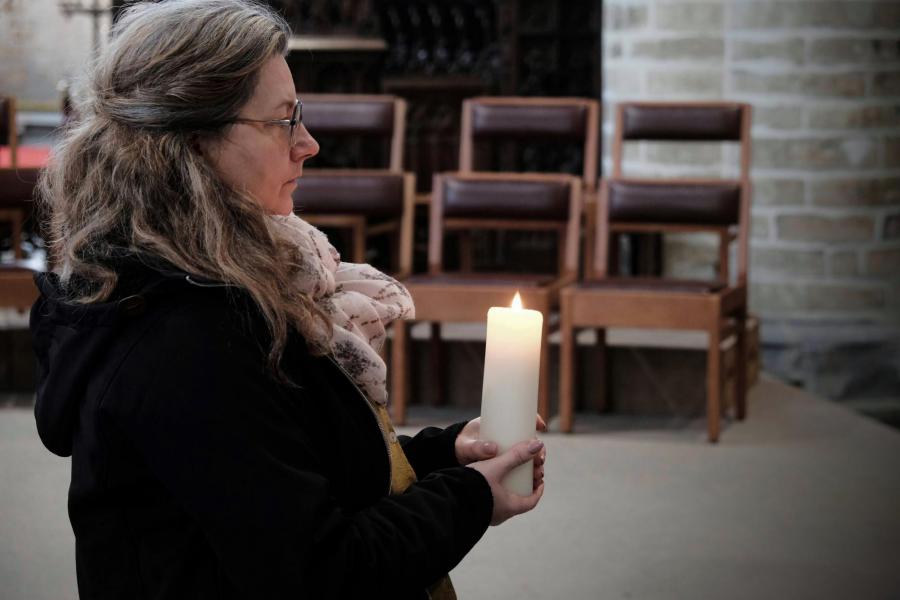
x=8, y=133
x=489, y=201
x=354, y=117
x=16, y=193
x=668, y=206
x=488, y=122
x=373, y=126
x=514, y=118
x=17, y=289
x=368, y=203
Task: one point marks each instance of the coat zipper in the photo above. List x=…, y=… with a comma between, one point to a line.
x=384, y=436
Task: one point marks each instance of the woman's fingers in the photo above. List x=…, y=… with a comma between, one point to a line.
x=541, y=426
x=475, y=450
x=526, y=503
x=484, y=450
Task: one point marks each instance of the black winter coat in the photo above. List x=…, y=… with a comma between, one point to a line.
x=197, y=475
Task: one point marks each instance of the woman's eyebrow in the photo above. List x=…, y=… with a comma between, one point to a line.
x=288, y=103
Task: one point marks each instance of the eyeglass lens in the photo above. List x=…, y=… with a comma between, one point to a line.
x=296, y=119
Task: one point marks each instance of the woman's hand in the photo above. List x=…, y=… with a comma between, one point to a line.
x=470, y=449
x=507, y=504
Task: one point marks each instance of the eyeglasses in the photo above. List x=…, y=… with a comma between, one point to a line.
x=291, y=124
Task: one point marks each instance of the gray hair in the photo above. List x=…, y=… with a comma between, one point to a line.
x=127, y=179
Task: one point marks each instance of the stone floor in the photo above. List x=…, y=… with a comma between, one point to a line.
x=799, y=501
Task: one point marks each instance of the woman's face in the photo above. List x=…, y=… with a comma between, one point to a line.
x=258, y=158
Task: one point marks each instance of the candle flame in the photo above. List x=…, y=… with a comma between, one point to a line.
x=517, y=302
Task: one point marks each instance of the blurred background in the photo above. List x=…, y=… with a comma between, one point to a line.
x=823, y=78
x=799, y=500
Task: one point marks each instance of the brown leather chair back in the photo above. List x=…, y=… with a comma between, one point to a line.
x=506, y=201
x=552, y=120
x=682, y=121
x=8, y=135
x=367, y=118
x=371, y=194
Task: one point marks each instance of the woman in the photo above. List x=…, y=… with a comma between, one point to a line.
x=204, y=355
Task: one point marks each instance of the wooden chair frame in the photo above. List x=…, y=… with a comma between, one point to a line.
x=398, y=136
x=13, y=132
x=590, y=148
x=16, y=201
x=721, y=313
x=15, y=217
x=361, y=230
x=17, y=288
x=440, y=302
x=589, y=166
x=618, y=142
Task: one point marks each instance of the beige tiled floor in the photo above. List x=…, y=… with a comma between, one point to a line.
x=799, y=501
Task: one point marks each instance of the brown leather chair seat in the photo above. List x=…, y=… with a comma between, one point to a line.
x=512, y=199
x=520, y=280
x=633, y=201
x=658, y=284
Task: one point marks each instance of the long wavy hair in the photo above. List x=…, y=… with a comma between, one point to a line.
x=127, y=178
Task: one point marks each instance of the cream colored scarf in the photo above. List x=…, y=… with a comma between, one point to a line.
x=360, y=300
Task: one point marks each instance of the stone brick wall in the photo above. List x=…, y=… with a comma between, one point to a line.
x=824, y=80
x=40, y=47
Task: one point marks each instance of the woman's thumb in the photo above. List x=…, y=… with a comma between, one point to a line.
x=483, y=450
x=521, y=453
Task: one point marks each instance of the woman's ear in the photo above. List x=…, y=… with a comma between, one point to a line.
x=200, y=145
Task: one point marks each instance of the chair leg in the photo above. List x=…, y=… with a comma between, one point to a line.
x=394, y=251
x=614, y=251
x=589, y=241
x=359, y=244
x=17, y=234
x=438, y=365
x=466, y=252
x=399, y=377
x=567, y=369
x=544, y=374
x=600, y=400
x=713, y=382
x=740, y=380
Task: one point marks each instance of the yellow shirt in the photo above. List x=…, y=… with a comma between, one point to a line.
x=403, y=476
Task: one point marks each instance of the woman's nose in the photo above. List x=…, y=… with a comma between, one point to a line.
x=306, y=146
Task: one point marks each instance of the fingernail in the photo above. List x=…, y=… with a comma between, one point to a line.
x=489, y=447
x=535, y=446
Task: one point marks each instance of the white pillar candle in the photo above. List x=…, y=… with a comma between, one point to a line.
x=510, y=392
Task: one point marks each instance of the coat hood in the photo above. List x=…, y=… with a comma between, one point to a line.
x=71, y=341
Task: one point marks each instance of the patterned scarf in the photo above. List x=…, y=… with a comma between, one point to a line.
x=360, y=300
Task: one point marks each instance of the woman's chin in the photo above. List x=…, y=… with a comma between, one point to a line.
x=284, y=209
x=285, y=203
